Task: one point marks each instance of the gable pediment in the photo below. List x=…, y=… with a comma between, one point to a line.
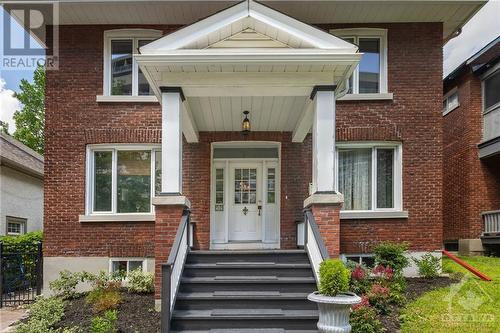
x=248, y=25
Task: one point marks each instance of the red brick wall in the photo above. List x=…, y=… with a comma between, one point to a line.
x=328, y=219
x=471, y=186
x=74, y=119
x=414, y=74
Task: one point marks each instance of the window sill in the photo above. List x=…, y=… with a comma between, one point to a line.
x=345, y=215
x=126, y=99
x=367, y=97
x=117, y=218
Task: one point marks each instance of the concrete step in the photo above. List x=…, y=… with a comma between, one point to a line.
x=243, y=300
x=244, y=319
x=248, y=269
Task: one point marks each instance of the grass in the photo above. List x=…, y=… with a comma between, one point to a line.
x=472, y=305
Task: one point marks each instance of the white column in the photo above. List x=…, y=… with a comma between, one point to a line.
x=323, y=140
x=171, y=142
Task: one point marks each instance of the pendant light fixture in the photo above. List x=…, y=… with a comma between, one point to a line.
x=245, y=125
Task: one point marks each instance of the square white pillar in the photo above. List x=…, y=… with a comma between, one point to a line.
x=171, y=140
x=323, y=139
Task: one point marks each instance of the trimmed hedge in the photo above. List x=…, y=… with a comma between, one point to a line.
x=22, y=243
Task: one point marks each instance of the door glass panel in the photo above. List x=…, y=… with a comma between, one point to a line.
x=219, y=189
x=245, y=186
x=271, y=185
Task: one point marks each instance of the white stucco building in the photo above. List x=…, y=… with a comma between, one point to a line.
x=21, y=187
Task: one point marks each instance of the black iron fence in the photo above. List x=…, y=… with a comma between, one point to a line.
x=20, y=276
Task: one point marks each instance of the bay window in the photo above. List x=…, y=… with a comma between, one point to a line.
x=122, y=75
x=122, y=179
x=369, y=176
x=370, y=77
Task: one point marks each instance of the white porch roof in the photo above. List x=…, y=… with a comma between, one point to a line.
x=248, y=57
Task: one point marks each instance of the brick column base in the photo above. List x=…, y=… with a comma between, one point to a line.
x=168, y=215
x=326, y=211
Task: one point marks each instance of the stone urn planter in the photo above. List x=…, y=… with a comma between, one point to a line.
x=334, y=311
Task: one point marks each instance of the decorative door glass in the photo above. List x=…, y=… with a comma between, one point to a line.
x=271, y=185
x=245, y=186
x=219, y=189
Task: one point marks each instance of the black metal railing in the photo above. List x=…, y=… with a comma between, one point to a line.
x=21, y=276
x=171, y=271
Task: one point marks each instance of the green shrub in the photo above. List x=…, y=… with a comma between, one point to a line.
x=43, y=314
x=333, y=277
x=392, y=254
x=105, y=323
x=140, y=282
x=65, y=286
x=104, y=281
x=379, y=297
x=364, y=320
x=104, y=300
x=360, y=280
x=22, y=243
x=105, y=294
x=428, y=265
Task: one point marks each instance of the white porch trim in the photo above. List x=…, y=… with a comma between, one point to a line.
x=171, y=142
x=323, y=140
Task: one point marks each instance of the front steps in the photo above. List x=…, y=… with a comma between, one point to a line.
x=246, y=292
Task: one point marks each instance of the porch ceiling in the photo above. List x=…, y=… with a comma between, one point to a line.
x=267, y=113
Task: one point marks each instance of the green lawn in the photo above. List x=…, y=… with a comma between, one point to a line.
x=472, y=305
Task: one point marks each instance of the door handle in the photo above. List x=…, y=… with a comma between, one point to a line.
x=259, y=207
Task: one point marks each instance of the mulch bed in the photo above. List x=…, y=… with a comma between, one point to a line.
x=416, y=287
x=135, y=314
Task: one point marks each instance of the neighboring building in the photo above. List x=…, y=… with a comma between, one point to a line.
x=121, y=168
x=471, y=110
x=21, y=187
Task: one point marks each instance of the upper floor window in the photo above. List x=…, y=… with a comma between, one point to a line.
x=450, y=101
x=122, y=75
x=122, y=178
x=491, y=92
x=370, y=77
x=369, y=176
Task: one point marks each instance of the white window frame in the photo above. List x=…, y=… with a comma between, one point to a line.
x=125, y=34
x=397, y=179
x=89, y=194
x=493, y=71
x=447, y=98
x=128, y=260
x=356, y=34
x=23, y=223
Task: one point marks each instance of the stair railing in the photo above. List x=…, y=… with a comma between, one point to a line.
x=313, y=243
x=171, y=271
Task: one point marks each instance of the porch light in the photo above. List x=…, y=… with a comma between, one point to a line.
x=245, y=125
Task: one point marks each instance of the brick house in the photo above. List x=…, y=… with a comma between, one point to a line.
x=471, y=153
x=153, y=163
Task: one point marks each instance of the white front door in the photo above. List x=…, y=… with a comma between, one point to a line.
x=245, y=201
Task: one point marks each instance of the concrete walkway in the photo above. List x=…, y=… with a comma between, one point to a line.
x=9, y=316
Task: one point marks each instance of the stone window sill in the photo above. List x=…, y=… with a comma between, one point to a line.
x=126, y=99
x=345, y=215
x=117, y=218
x=367, y=97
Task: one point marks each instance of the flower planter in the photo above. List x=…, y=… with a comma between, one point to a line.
x=334, y=311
